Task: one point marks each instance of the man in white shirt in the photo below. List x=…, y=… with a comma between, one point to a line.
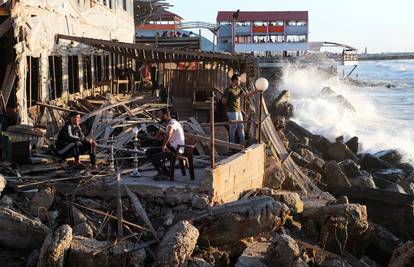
x=173, y=138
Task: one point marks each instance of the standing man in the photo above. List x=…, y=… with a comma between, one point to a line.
x=173, y=138
x=71, y=142
x=231, y=100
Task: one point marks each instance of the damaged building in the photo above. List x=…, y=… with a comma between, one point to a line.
x=34, y=68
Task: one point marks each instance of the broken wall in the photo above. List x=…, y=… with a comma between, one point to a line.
x=36, y=23
x=237, y=174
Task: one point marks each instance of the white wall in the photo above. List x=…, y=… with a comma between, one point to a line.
x=274, y=47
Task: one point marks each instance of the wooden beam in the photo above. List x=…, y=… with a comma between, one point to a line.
x=8, y=83
x=216, y=141
x=59, y=108
x=4, y=11
x=5, y=26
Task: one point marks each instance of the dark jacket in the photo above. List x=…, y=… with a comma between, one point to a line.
x=69, y=134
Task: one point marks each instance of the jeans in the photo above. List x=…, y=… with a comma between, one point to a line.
x=76, y=149
x=156, y=156
x=239, y=127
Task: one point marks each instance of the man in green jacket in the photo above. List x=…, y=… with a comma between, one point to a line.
x=231, y=100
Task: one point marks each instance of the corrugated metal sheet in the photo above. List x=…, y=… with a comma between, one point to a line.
x=245, y=16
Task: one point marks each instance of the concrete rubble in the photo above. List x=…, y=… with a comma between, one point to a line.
x=318, y=202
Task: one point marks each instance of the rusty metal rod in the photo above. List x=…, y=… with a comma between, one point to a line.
x=213, y=164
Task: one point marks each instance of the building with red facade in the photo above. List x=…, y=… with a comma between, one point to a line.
x=263, y=32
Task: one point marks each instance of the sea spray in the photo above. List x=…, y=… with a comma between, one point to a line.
x=371, y=120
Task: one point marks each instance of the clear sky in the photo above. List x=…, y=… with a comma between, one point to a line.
x=381, y=26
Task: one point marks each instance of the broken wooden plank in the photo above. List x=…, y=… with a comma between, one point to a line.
x=25, y=169
x=140, y=211
x=8, y=82
x=59, y=108
x=98, y=111
x=109, y=215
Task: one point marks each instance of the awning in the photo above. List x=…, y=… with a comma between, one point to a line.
x=149, y=53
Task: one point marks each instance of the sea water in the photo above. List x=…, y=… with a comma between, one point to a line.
x=384, y=105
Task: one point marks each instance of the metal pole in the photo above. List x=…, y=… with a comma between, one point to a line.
x=119, y=204
x=260, y=118
x=213, y=164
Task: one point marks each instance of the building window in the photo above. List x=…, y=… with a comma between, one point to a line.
x=73, y=69
x=32, y=81
x=276, y=23
x=55, y=74
x=260, y=23
x=296, y=38
x=124, y=4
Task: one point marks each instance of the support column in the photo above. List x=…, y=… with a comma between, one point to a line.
x=44, y=78
x=21, y=89
x=65, y=75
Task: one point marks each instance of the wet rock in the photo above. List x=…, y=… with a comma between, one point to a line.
x=6, y=201
x=340, y=200
x=306, y=154
x=338, y=151
x=177, y=245
x=369, y=162
x=382, y=244
x=406, y=167
x=42, y=201
x=365, y=181
x=198, y=262
x=83, y=229
x=291, y=199
x=274, y=175
x=327, y=91
x=408, y=184
x=352, y=144
x=3, y=183
x=169, y=217
x=283, y=251
x=281, y=105
x=403, y=256
x=231, y=222
x=350, y=168
x=82, y=249
x=20, y=232
x=396, y=188
x=331, y=222
x=334, y=176
x=321, y=143
x=199, y=202
x=391, y=156
x=393, y=175
x=298, y=130
x=254, y=255
x=301, y=161
x=341, y=100
x=55, y=247
x=78, y=217
x=33, y=258
x=316, y=165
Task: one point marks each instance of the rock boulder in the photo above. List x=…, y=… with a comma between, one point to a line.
x=177, y=245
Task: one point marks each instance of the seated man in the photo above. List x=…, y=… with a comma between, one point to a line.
x=71, y=142
x=172, y=139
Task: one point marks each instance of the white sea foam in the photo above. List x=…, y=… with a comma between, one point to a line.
x=375, y=120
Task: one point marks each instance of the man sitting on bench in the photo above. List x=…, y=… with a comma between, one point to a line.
x=71, y=142
x=172, y=139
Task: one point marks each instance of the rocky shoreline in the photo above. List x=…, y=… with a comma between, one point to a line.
x=362, y=214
